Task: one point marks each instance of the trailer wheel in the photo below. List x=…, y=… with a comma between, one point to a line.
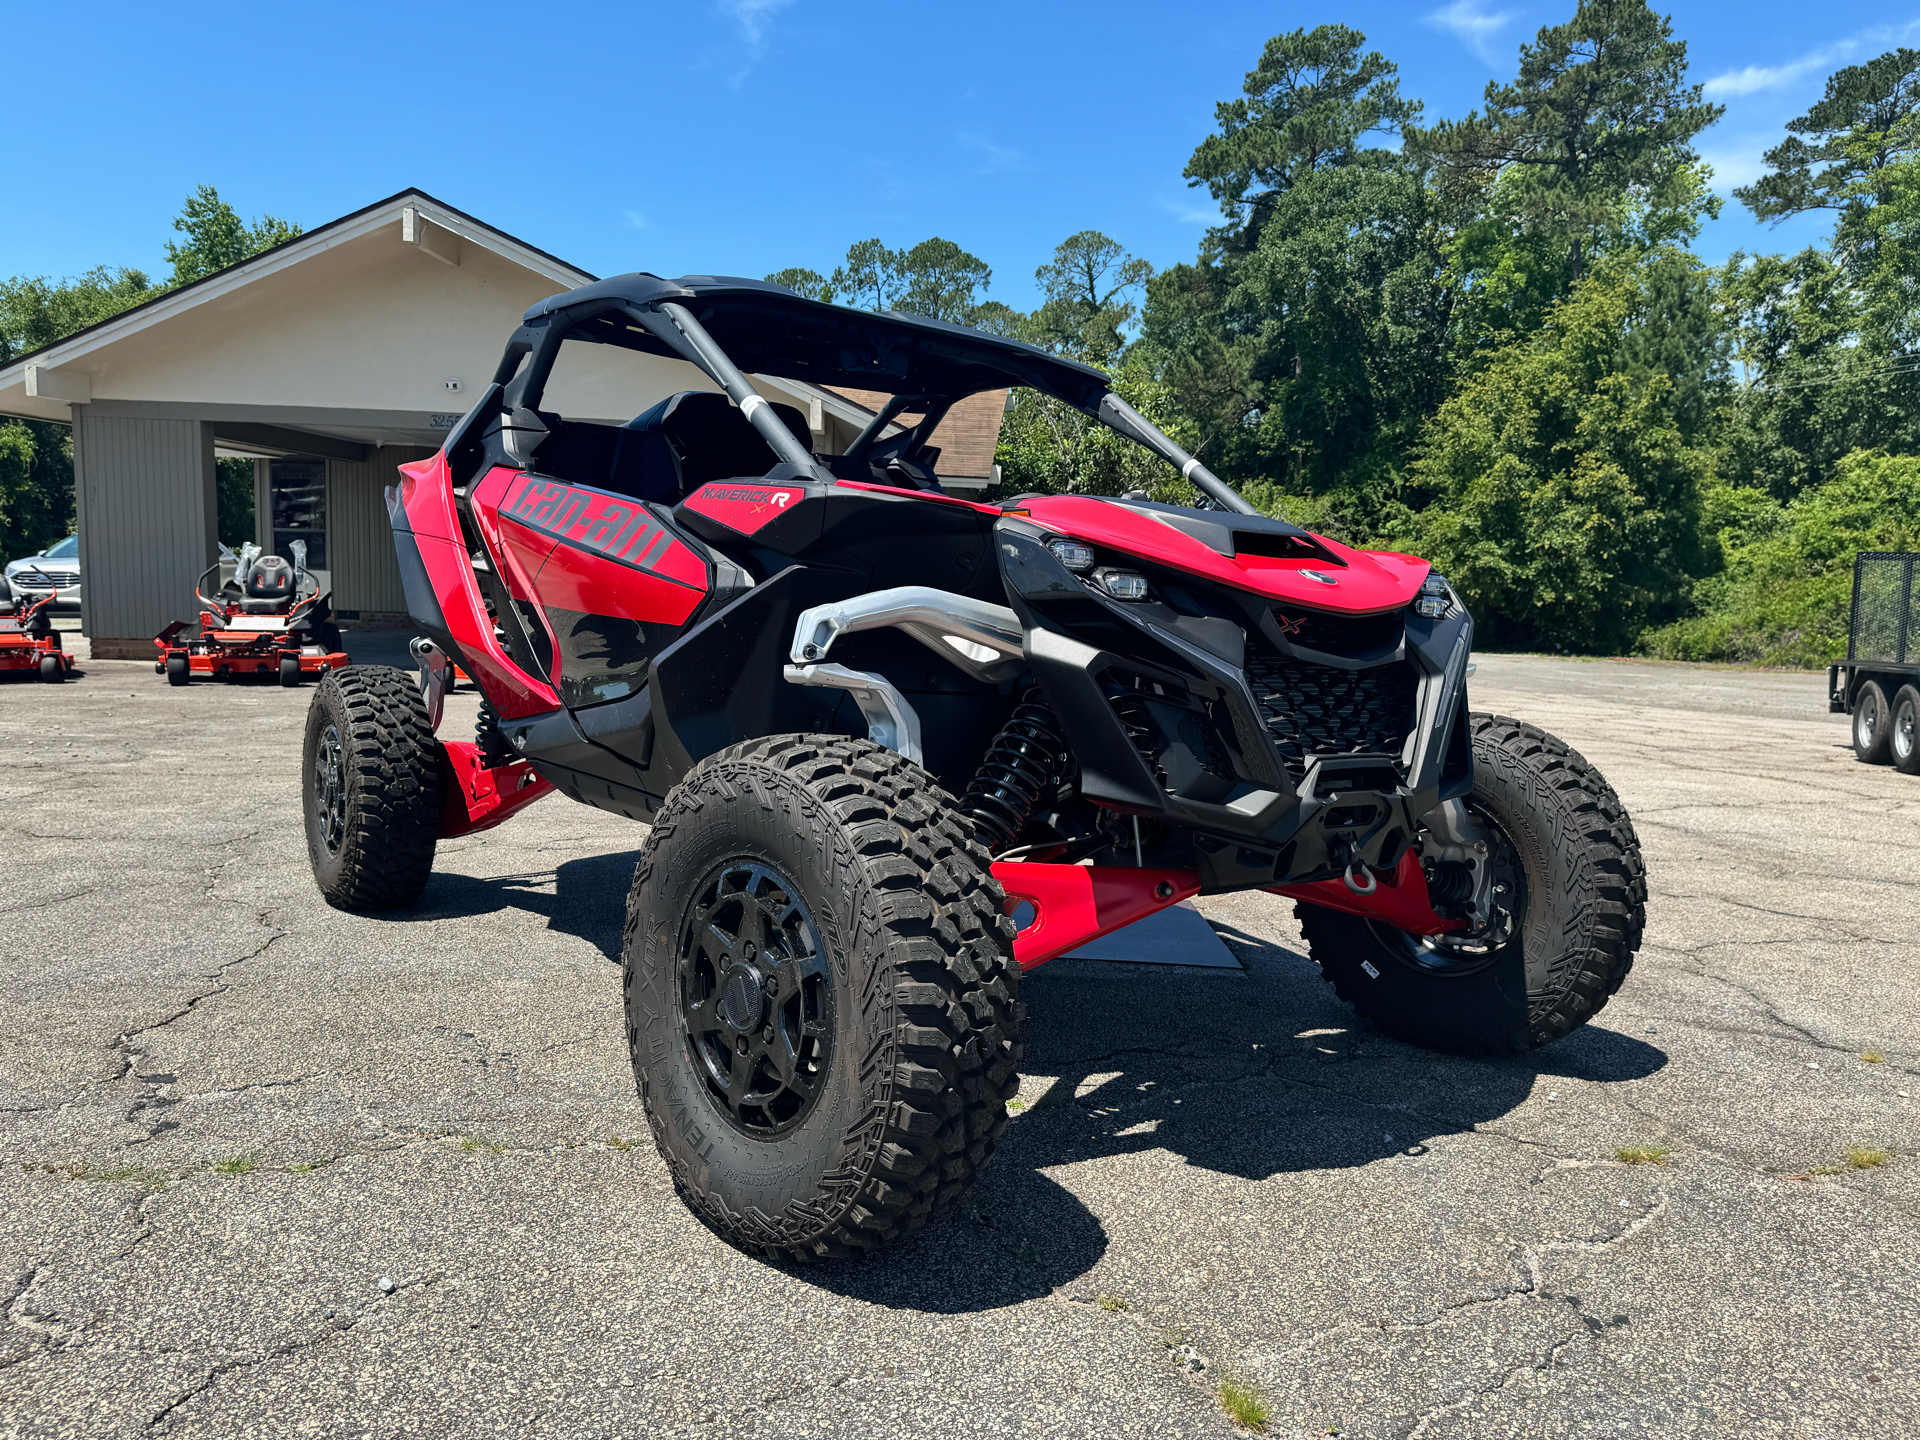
x=1901, y=738
x=822, y=1003
x=177, y=670
x=370, y=784
x=51, y=669
x=1871, y=724
x=1570, y=899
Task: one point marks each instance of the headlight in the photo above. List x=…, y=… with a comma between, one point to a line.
x=1435, y=599
x=1122, y=584
x=1072, y=554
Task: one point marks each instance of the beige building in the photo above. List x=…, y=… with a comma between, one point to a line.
x=330, y=360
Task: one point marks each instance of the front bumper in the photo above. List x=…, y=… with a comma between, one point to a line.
x=1189, y=744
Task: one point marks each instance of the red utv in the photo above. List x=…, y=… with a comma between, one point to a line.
x=895, y=747
x=271, y=618
x=28, y=640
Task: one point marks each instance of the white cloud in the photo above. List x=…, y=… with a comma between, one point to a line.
x=996, y=158
x=1750, y=79
x=1472, y=24
x=1191, y=212
x=1737, y=163
x=636, y=219
x=753, y=16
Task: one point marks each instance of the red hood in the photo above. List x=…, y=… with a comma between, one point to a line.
x=1364, y=581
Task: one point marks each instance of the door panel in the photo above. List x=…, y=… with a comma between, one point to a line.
x=616, y=584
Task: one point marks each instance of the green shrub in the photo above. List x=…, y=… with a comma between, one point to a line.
x=1781, y=597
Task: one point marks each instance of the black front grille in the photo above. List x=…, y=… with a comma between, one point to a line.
x=1319, y=710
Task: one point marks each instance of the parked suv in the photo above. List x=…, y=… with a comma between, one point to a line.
x=60, y=563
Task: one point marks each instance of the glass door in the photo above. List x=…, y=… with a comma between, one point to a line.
x=297, y=502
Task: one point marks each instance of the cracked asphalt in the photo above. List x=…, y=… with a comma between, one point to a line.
x=226, y=1112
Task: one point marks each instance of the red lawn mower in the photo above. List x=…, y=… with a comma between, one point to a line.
x=897, y=748
x=28, y=640
x=270, y=618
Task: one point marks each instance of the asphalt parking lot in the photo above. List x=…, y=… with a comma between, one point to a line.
x=226, y=1112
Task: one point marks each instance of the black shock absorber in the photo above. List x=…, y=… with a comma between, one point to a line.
x=494, y=750
x=1022, y=762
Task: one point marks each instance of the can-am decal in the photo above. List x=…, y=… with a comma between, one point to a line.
x=607, y=525
x=745, y=508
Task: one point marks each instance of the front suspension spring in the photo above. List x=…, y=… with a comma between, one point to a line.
x=1023, y=762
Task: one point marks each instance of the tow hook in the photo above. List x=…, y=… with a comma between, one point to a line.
x=1359, y=879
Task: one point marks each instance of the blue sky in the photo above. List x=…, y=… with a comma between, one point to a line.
x=739, y=136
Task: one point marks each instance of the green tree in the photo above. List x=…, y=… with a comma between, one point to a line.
x=1781, y=595
x=1091, y=286
x=810, y=283
x=1557, y=488
x=1599, y=117
x=217, y=237
x=1306, y=106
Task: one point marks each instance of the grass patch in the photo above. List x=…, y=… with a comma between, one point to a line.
x=621, y=1143
x=1172, y=1336
x=142, y=1175
x=234, y=1165
x=1244, y=1405
x=481, y=1143
x=1017, y=1105
x=301, y=1168
x=1866, y=1158
x=1643, y=1155
x=1113, y=1303
x=1873, y=1058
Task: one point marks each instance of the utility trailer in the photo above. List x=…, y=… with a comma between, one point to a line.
x=1877, y=683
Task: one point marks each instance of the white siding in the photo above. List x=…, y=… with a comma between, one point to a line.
x=360, y=545
x=148, y=521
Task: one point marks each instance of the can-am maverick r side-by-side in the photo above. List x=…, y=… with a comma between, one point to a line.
x=896, y=747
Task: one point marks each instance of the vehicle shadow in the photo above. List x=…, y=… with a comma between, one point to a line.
x=588, y=898
x=1252, y=1074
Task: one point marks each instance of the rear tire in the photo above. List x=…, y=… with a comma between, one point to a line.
x=1901, y=731
x=370, y=787
x=178, y=670
x=802, y=1138
x=1546, y=971
x=1871, y=724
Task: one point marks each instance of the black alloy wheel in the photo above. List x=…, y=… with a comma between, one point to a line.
x=756, y=997
x=330, y=791
x=1901, y=732
x=1463, y=953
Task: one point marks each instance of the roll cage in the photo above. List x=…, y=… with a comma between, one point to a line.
x=924, y=365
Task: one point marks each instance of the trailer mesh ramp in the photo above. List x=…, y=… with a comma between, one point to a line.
x=1887, y=608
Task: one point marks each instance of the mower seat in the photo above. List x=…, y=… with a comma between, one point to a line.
x=269, y=588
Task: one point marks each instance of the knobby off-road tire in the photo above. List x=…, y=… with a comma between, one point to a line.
x=370, y=788
x=1575, y=862
x=1902, y=740
x=918, y=1002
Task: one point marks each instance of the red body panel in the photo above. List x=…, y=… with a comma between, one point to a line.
x=1400, y=902
x=575, y=580
x=1077, y=904
x=426, y=493
x=474, y=797
x=1371, y=580
x=742, y=507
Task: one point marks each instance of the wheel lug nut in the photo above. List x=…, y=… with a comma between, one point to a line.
x=768, y=1035
x=740, y=1044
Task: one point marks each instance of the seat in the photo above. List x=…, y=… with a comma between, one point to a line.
x=690, y=438
x=269, y=589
